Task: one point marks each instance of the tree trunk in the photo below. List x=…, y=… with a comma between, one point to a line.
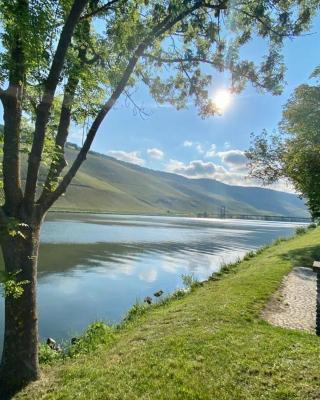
x=19, y=364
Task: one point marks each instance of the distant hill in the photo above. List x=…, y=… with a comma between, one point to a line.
x=106, y=184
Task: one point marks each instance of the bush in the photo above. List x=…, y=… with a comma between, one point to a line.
x=97, y=333
x=301, y=231
x=312, y=226
x=47, y=355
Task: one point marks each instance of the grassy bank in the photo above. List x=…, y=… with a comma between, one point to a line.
x=209, y=344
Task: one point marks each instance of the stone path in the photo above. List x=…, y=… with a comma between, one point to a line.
x=294, y=303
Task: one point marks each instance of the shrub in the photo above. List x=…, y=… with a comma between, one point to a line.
x=312, y=226
x=96, y=334
x=300, y=230
x=47, y=355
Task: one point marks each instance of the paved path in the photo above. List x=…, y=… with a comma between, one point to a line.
x=294, y=303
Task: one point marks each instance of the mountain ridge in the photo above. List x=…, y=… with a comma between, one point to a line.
x=107, y=184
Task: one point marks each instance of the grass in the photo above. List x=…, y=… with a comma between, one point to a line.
x=208, y=344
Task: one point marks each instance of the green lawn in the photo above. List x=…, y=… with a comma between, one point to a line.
x=210, y=344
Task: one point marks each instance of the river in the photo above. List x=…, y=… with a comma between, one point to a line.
x=95, y=266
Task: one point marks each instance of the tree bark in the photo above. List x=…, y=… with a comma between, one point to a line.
x=43, y=109
x=11, y=157
x=19, y=364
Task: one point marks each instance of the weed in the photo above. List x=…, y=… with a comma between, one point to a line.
x=249, y=255
x=190, y=281
x=135, y=311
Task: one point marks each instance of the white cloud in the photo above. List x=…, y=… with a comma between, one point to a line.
x=130, y=156
x=187, y=143
x=197, y=145
x=212, y=151
x=195, y=168
x=209, y=170
x=202, y=169
x=199, y=148
x=155, y=153
x=235, y=159
x=174, y=165
x=233, y=176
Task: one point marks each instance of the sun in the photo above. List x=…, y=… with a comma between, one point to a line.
x=222, y=99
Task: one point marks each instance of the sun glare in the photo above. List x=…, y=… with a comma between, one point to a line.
x=222, y=99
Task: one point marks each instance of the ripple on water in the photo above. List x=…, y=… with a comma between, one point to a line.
x=96, y=266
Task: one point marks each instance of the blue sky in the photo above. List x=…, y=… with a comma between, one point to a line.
x=182, y=142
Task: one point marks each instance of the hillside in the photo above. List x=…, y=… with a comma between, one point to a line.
x=106, y=184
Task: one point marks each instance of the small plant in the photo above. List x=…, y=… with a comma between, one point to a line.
x=249, y=255
x=190, y=281
x=312, y=226
x=178, y=294
x=225, y=268
x=48, y=355
x=135, y=311
x=97, y=333
x=280, y=240
x=301, y=231
x=11, y=285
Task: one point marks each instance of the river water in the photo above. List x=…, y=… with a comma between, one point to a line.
x=95, y=266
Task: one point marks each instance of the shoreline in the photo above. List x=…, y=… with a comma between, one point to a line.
x=270, y=218
x=215, y=330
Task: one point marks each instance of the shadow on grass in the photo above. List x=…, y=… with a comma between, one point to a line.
x=304, y=256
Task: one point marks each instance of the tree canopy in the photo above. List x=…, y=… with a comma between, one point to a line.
x=71, y=60
x=294, y=151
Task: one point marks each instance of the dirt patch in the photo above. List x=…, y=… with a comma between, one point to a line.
x=293, y=305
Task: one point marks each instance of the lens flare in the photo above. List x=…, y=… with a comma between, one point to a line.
x=222, y=99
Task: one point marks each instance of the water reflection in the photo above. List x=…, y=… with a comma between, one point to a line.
x=96, y=266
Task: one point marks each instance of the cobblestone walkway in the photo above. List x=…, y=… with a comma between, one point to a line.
x=294, y=303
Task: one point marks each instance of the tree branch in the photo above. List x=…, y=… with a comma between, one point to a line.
x=160, y=29
x=46, y=201
x=12, y=113
x=136, y=107
x=100, y=10
x=59, y=163
x=174, y=60
x=43, y=109
x=266, y=25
